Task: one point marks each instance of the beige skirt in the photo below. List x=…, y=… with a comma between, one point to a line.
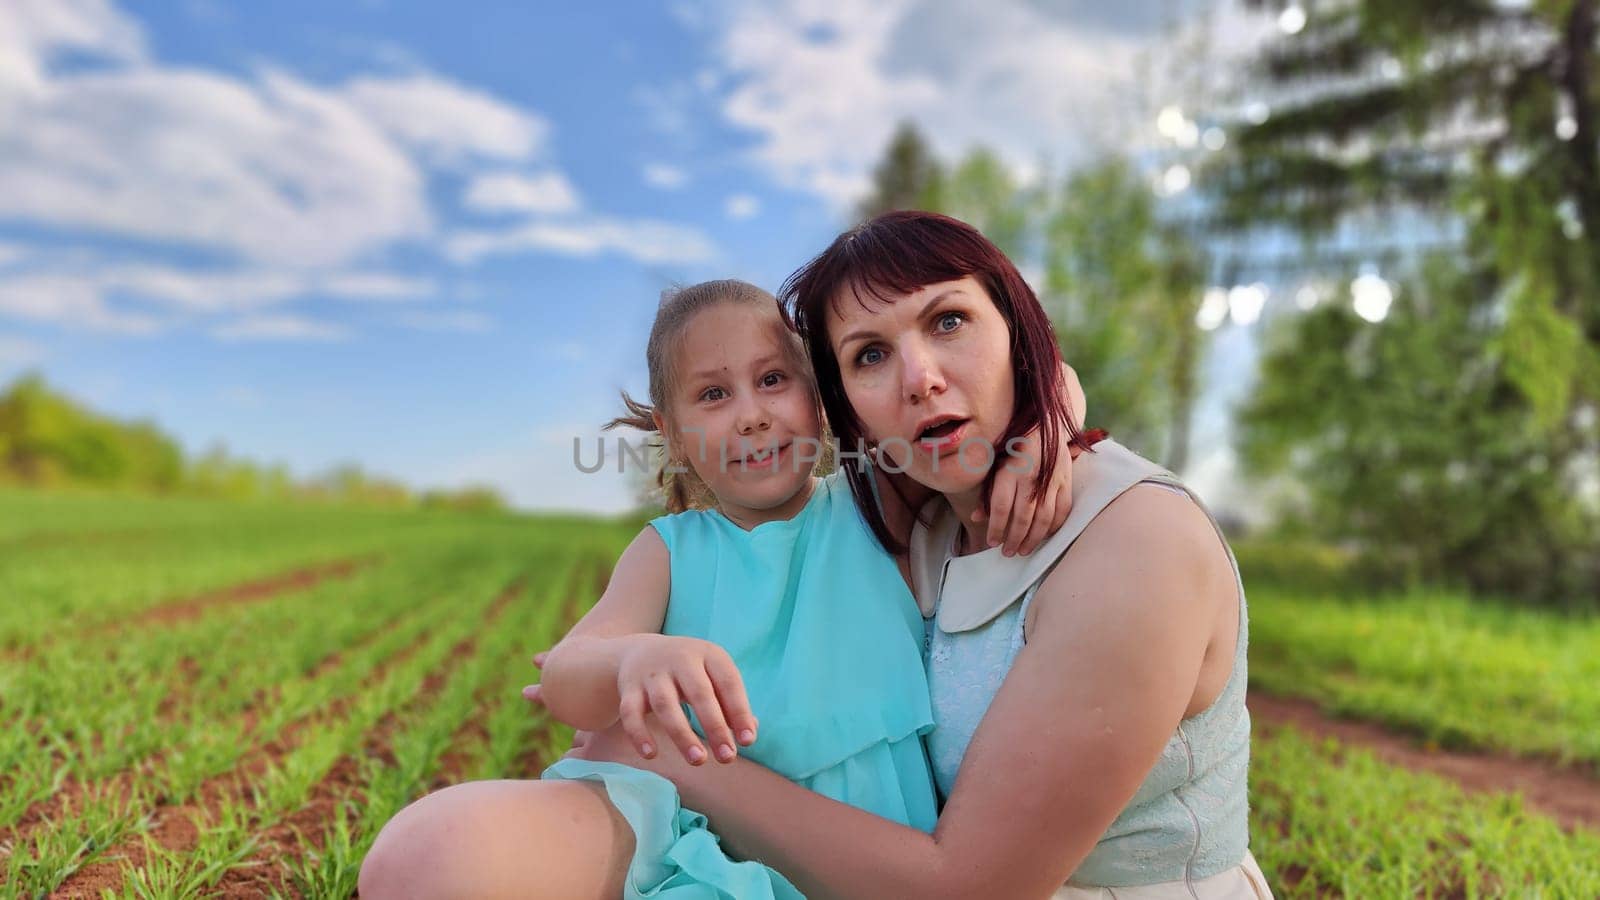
x=1242, y=882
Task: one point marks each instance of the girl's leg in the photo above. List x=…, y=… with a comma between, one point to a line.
x=511, y=839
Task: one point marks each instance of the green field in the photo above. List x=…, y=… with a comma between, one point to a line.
x=203, y=698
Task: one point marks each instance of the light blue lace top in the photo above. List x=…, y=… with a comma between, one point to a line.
x=1189, y=819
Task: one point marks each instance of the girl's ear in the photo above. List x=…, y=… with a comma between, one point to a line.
x=667, y=441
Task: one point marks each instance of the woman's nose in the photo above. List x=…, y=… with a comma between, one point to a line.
x=921, y=374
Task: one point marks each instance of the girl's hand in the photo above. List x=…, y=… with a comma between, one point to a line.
x=657, y=674
x=1016, y=518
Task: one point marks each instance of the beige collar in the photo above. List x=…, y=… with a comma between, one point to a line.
x=966, y=592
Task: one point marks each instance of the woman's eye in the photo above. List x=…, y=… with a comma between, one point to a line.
x=869, y=356
x=950, y=321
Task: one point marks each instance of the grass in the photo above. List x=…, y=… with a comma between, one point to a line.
x=293, y=727
x=1461, y=674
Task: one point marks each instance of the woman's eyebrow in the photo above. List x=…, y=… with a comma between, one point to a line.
x=932, y=301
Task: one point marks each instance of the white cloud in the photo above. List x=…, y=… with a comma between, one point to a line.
x=197, y=291
x=279, y=328
x=664, y=176
x=642, y=240
x=70, y=302
x=546, y=192
x=296, y=188
x=268, y=167
x=449, y=121
x=277, y=171
x=34, y=32
x=83, y=297
x=822, y=87
x=374, y=286
x=461, y=321
x=742, y=206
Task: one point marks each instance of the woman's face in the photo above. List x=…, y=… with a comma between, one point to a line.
x=929, y=375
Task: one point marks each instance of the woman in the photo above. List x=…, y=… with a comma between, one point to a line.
x=1107, y=670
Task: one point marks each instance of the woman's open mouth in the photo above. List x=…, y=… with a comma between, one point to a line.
x=944, y=435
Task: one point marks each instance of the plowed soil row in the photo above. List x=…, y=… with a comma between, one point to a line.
x=303, y=829
x=254, y=591
x=183, y=609
x=173, y=827
x=71, y=792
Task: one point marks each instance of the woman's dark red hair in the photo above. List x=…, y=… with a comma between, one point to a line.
x=899, y=253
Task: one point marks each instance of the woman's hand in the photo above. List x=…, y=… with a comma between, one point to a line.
x=659, y=673
x=1016, y=517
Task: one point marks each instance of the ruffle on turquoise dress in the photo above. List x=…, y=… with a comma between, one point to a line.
x=829, y=642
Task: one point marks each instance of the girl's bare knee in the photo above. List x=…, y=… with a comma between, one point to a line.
x=501, y=838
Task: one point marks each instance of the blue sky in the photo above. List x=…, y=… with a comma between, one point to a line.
x=429, y=237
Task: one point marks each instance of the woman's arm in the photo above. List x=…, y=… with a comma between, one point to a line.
x=1111, y=664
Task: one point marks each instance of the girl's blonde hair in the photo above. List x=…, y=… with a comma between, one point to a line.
x=683, y=490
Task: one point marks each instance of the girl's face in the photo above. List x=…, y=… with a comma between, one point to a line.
x=744, y=413
x=929, y=375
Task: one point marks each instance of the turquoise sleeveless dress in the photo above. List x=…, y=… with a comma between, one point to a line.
x=829, y=641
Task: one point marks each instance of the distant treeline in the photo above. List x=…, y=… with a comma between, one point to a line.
x=49, y=440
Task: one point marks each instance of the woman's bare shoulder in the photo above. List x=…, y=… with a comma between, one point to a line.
x=1149, y=535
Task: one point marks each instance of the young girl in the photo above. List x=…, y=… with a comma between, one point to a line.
x=764, y=591
x=778, y=593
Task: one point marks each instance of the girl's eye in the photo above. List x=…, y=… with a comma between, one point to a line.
x=950, y=321
x=869, y=356
x=772, y=379
x=711, y=394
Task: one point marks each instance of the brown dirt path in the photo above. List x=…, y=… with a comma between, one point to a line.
x=1570, y=794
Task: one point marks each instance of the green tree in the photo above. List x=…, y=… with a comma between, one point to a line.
x=1484, y=117
x=1123, y=288
x=982, y=192
x=50, y=440
x=907, y=177
x=1409, y=440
